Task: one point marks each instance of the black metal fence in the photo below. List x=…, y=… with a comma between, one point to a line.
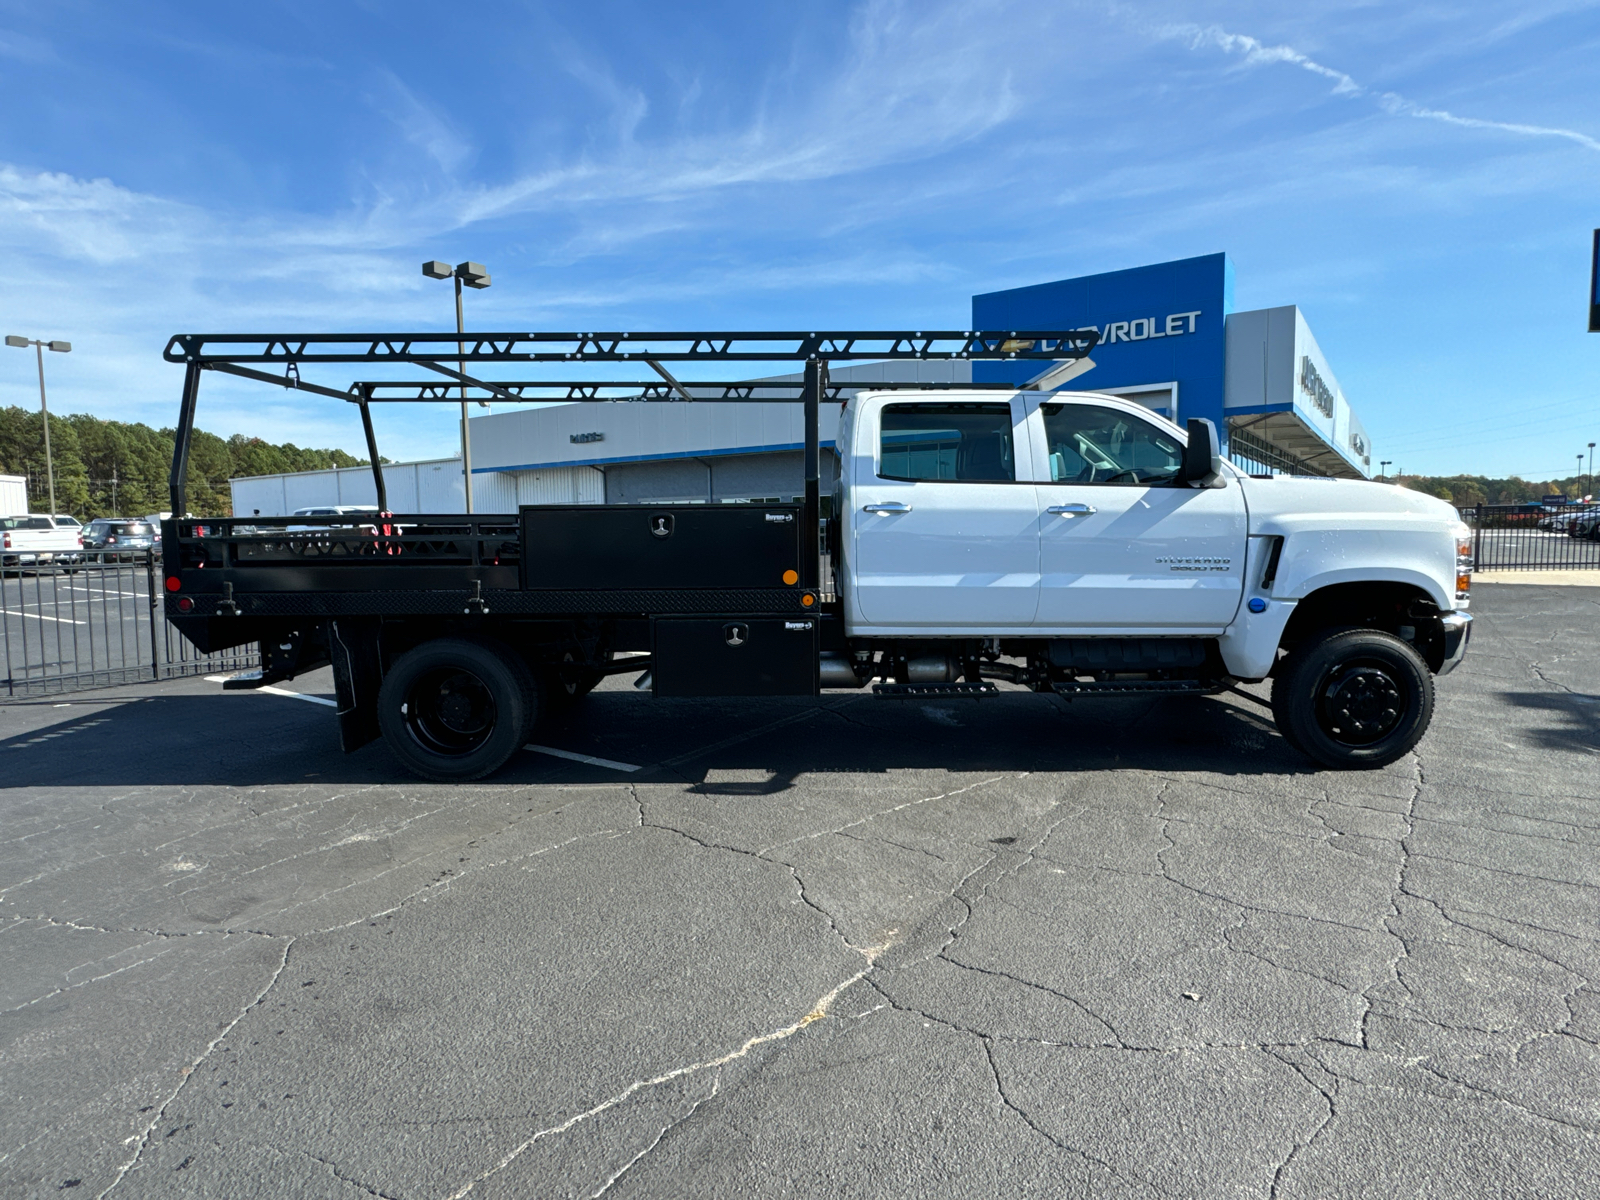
x=95, y=622
x=1520, y=537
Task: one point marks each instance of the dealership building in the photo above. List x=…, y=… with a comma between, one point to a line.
x=1169, y=339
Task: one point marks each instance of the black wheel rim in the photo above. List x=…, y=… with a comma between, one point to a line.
x=1361, y=702
x=449, y=711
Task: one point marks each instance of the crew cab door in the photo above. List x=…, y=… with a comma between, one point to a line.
x=1123, y=546
x=943, y=517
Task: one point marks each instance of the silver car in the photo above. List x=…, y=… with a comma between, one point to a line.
x=117, y=537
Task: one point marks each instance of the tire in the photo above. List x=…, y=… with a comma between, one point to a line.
x=456, y=709
x=1353, y=698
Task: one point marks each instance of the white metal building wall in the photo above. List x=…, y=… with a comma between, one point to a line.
x=421, y=487
x=13, y=495
x=552, y=485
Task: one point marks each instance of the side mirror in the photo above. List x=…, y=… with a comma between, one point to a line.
x=1202, y=457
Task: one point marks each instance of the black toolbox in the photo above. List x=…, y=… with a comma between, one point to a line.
x=734, y=656
x=584, y=547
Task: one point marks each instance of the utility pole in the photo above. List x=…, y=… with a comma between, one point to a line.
x=474, y=276
x=23, y=343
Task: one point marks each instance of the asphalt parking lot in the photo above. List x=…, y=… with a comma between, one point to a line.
x=848, y=947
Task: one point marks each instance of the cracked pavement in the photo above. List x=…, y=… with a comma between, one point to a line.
x=840, y=947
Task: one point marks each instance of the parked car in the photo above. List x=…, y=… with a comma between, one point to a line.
x=331, y=510
x=116, y=537
x=1584, y=525
x=35, y=539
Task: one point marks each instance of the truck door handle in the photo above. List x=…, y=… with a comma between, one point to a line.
x=893, y=506
x=1073, y=510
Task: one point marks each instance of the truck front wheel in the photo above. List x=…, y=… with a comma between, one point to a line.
x=453, y=710
x=1353, y=698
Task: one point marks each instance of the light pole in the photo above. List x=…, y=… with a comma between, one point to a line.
x=23, y=343
x=474, y=276
x=1384, y=466
x=1589, y=491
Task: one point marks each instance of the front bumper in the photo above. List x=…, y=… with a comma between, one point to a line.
x=1457, y=627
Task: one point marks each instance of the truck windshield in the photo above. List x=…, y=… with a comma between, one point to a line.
x=1091, y=444
x=957, y=442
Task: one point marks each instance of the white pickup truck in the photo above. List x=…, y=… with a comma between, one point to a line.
x=1111, y=551
x=1067, y=543
x=36, y=539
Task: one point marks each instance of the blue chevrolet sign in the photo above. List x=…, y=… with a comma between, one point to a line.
x=1594, y=286
x=1161, y=324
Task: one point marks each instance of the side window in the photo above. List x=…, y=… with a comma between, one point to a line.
x=1091, y=444
x=958, y=442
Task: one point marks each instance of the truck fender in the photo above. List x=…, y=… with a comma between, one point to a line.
x=1304, y=585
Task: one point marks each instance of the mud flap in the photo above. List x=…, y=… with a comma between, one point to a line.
x=357, y=674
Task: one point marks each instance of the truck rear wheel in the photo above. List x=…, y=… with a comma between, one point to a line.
x=455, y=709
x=1353, y=698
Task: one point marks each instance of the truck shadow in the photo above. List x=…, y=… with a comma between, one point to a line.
x=720, y=747
x=1579, y=730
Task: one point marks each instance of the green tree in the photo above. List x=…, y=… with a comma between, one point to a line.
x=117, y=468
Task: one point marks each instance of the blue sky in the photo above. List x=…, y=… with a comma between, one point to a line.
x=1420, y=179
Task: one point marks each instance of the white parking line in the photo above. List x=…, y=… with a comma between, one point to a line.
x=583, y=758
x=42, y=617
x=299, y=696
x=278, y=691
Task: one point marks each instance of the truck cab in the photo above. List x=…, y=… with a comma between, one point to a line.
x=1070, y=531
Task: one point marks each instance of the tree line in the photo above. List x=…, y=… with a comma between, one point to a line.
x=119, y=469
x=1466, y=491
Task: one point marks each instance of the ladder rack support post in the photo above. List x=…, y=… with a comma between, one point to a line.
x=810, y=543
x=372, y=450
x=177, y=482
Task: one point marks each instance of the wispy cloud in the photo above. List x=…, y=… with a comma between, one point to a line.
x=1253, y=52
x=879, y=169
x=419, y=123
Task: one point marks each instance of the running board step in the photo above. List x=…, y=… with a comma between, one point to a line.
x=1135, y=687
x=933, y=691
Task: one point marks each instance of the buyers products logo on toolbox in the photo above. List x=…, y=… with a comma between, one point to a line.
x=1195, y=564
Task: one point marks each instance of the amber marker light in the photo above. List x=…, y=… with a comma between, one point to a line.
x=807, y=600
x=791, y=576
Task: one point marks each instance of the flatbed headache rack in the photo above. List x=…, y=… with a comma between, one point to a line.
x=358, y=590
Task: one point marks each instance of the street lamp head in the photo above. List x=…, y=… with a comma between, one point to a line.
x=59, y=347
x=437, y=270
x=13, y=340
x=474, y=275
